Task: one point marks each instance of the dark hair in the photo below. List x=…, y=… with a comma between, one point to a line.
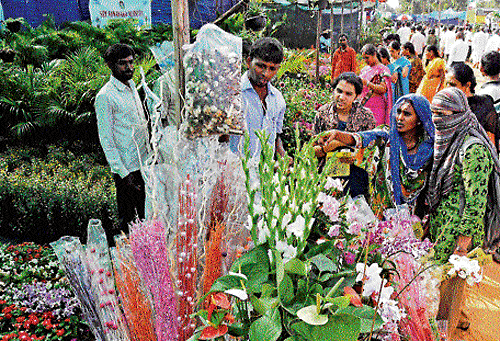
x=343, y=35
x=395, y=45
x=490, y=63
x=433, y=49
x=351, y=78
x=370, y=50
x=383, y=53
x=464, y=74
x=268, y=49
x=410, y=47
x=118, y=51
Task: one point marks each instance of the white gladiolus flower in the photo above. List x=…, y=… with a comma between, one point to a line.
x=289, y=252
x=296, y=228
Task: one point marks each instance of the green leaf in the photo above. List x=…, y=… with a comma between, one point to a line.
x=265, y=329
x=285, y=290
x=339, y=328
x=325, y=277
x=224, y=283
x=324, y=264
x=255, y=265
x=296, y=266
x=264, y=304
x=341, y=301
x=365, y=314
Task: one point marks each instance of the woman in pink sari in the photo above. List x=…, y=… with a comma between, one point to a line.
x=377, y=91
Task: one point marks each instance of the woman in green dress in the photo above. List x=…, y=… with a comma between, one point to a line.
x=463, y=191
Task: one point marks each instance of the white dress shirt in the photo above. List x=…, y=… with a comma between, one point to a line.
x=122, y=126
x=458, y=52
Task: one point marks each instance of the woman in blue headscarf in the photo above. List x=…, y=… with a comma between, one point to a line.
x=397, y=157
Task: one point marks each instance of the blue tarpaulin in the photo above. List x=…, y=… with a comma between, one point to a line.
x=36, y=11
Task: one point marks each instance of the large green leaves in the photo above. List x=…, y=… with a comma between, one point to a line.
x=255, y=265
x=342, y=327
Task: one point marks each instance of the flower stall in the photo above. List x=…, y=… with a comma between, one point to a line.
x=250, y=248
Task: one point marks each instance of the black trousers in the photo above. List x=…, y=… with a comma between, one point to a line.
x=130, y=199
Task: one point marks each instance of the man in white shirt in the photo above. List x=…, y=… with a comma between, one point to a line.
x=459, y=50
x=493, y=43
x=404, y=33
x=479, y=41
x=418, y=41
x=449, y=39
x=123, y=133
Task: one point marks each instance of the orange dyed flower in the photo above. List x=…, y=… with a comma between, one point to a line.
x=354, y=297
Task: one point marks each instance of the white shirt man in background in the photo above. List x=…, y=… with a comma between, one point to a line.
x=418, y=41
x=459, y=50
x=448, y=40
x=479, y=41
x=493, y=43
x=404, y=33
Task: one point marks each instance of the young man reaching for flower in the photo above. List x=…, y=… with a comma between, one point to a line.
x=263, y=104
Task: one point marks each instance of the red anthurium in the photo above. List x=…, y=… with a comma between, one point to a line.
x=220, y=299
x=354, y=297
x=210, y=332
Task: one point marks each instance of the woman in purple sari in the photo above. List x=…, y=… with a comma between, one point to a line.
x=377, y=91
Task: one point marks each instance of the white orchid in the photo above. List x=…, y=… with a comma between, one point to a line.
x=466, y=268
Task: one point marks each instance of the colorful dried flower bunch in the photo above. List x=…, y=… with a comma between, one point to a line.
x=213, y=71
x=149, y=247
x=134, y=297
x=186, y=243
x=103, y=283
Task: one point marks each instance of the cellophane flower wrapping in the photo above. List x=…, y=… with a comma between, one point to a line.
x=149, y=246
x=409, y=254
x=135, y=299
x=193, y=187
x=103, y=283
x=73, y=261
x=213, y=95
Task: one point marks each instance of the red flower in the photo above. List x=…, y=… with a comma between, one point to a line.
x=354, y=297
x=220, y=300
x=60, y=332
x=210, y=332
x=229, y=318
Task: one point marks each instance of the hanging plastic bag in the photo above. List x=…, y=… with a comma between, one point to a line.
x=213, y=94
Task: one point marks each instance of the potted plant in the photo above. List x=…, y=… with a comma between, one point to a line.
x=255, y=17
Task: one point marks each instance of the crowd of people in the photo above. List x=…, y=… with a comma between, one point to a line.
x=424, y=137
x=435, y=147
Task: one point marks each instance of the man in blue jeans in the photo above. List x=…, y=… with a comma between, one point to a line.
x=123, y=134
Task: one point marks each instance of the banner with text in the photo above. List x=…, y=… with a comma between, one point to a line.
x=102, y=11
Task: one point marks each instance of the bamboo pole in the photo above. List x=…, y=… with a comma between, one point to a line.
x=318, y=34
x=330, y=48
x=236, y=8
x=180, y=26
x=342, y=19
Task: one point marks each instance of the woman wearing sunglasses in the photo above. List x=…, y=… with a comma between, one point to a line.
x=397, y=157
